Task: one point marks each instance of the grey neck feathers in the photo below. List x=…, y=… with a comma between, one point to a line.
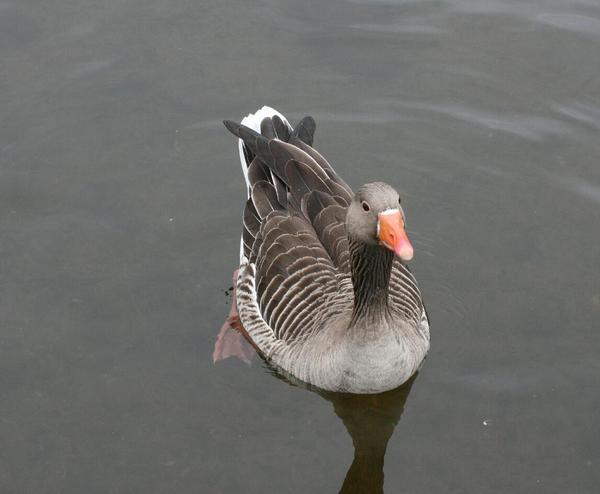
x=371, y=266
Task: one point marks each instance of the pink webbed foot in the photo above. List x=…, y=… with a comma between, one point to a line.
x=231, y=341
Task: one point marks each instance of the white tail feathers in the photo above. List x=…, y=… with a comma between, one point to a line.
x=253, y=121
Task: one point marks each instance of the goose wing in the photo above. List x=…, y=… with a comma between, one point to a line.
x=294, y=277
x=293, y=225
x=283, y=165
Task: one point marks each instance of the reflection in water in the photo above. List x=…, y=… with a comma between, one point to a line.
x=370, y=420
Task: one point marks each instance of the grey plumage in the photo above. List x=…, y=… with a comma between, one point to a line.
x=309, y=288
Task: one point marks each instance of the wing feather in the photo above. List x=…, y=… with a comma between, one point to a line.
x=305, y=130
x=291, y=254
x=264, y=198
x=294, y=225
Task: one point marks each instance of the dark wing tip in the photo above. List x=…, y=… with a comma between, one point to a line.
x=305, y=130
x=309, y=123
x=282, y=129
x=232, y=127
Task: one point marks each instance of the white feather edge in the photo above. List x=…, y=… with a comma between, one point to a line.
x=253, y=120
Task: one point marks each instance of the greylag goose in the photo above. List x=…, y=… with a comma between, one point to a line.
x=322, y=290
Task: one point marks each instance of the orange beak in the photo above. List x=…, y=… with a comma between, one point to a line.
x=391, y=234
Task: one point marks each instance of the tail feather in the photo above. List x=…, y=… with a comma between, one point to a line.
x=274, y=123
x=254, y=121
x=281, y=170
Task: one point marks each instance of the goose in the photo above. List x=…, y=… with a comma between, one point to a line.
x=322, y=291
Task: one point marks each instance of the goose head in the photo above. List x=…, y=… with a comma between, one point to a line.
x=375, y=217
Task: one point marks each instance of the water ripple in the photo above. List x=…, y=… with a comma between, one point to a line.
x=581, y=187
x=584, y=113
x=582, y=24
x=526, y=126
x=398, y=28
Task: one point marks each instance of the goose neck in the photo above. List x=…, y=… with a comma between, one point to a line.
x=371, y=266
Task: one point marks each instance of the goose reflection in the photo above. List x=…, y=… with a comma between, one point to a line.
x=370, y=420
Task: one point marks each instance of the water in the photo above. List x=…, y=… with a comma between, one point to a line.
x=120, y=212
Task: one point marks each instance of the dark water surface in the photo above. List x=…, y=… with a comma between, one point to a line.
x=120, y=204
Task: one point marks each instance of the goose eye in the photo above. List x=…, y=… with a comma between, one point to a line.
x=399, y=200
x=365, y=206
